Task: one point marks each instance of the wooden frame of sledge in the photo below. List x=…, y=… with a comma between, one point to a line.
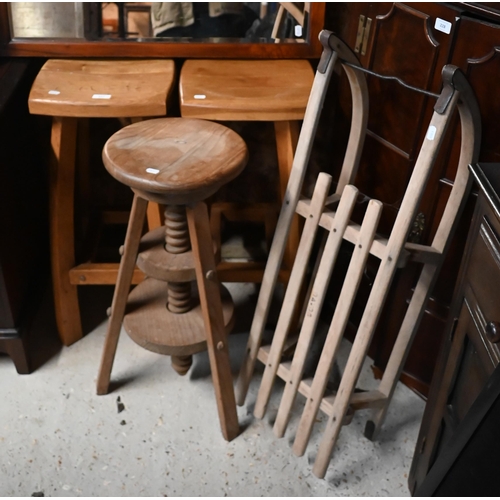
x=393, y=252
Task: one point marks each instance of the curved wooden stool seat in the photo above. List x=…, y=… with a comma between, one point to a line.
x=102, y=88
x=260, y=90
x=177, y=162
x=71, y=91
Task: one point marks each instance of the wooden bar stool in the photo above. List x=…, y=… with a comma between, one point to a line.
x=275, y=91
x=69, y=90
x=176, y=162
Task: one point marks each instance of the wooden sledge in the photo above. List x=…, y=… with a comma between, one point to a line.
x=333, y=48
x=393, y=252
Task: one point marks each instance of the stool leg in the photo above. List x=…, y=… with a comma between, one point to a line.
x=123, y=282
x=62, y=186
x=155, y=216
x=287, y=135
x=209, y=290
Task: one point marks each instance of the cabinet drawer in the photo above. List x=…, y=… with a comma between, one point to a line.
x=483, y=280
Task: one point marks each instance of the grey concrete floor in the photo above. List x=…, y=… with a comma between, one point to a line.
x=60, y=439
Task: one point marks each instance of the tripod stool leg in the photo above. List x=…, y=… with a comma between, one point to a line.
x=211, y=305
x=123, y=282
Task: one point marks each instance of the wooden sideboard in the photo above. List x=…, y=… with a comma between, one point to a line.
x=471, y=346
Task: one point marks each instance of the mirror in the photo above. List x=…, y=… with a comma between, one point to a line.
x=180, y=22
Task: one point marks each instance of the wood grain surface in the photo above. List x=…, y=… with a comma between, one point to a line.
x=245, y=90
x=182, y=160
x=135, y=88
x=150, y=324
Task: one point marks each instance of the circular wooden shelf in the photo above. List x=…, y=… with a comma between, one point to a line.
x=154, y=260
x=151, y=325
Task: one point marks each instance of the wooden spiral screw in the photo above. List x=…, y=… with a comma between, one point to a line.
x=179, y=294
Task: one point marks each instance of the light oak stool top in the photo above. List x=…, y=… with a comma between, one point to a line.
x=71, y=91
x=251, y=90
x=177, y=162
x=245, y=90
x=102, y=88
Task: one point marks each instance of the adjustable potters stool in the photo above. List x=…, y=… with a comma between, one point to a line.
x=177, y=162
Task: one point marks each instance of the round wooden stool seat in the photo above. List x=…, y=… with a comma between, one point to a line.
x=175, y=160
x=102, y=88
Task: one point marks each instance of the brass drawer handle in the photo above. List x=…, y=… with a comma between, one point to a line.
x=493, y=331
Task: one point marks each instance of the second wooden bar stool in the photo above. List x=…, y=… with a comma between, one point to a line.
x=70, y=90
x=266, y=90
x=179, y=163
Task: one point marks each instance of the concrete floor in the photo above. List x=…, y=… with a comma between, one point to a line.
x=58, y=438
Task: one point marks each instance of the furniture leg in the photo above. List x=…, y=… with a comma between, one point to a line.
x=287, y=134
x=314, y=306
x=62, y=185
x=292, y=293
x=209, y=291
x=338, y=323
x=16, y=350
x=154, y=215
x=83, y=182
x=287, y=214
x=124, y=280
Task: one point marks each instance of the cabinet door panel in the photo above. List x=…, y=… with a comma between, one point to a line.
x=477, y=53
x=391, y=54
x=462, y=374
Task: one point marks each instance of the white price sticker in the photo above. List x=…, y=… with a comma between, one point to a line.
x=442, y=25
x=200, y=96
x=298, y=31
x=431, y=133
x=101, y=96
x=54, y=92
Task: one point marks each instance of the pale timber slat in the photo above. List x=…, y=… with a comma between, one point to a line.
x=333, y=48
x=352, y=230
x=359, y=400
x=338, y=323
x=275, y=257
x=315, y=303
x=292, y=292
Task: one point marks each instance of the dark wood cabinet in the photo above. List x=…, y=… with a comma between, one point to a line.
x=413, y=42
x=23, y=212
x=471, y=346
